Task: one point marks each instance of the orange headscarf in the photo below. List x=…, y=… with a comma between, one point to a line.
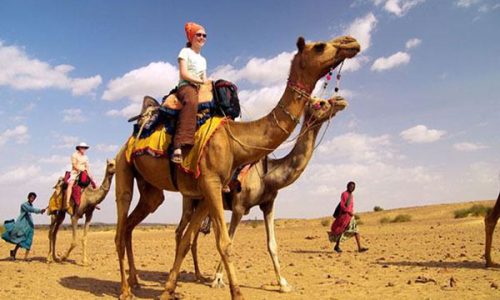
x=191, y=28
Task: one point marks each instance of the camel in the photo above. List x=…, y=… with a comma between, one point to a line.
x=90, y=198
x=490, y=221
x=232, y=145
x=264, y=179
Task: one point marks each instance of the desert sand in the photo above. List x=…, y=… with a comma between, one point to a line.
x=434, y=256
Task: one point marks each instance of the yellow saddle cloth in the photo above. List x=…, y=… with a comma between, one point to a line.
x=158, y=142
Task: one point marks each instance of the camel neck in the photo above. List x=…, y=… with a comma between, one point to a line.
x=286, y=170
x=254, y=140
x=103, y=190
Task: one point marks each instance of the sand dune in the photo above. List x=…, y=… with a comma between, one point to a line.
x=434, y=256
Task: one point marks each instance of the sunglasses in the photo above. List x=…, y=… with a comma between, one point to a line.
x=201, y=35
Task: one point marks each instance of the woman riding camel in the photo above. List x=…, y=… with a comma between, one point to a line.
x=79, y=163
x=192, y=73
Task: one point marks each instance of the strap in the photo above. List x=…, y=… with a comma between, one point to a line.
x=173, y=174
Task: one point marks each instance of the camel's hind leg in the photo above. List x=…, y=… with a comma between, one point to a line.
x=194, y=225
x=124, y=187
x=187, y=213
x=490, y=221
x=149, y=201
x=272, y=246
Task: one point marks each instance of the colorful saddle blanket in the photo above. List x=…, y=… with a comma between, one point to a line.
x=158, y=144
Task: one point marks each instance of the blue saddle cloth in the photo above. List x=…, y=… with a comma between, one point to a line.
x=168, y=118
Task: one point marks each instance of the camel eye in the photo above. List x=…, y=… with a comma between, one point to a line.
x=319, y=48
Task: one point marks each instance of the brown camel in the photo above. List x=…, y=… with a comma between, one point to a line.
x=232, y=145
x=263, y=181
x=490, y=221
x=90, y=198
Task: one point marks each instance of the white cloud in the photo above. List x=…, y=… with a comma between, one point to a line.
x=73, y=115
x=412, y=43
x=398, y=7
x=22, y=72
x=397, y=59
x=155, y=79
x=19, y=174
x=468, y=147
x=19, y=134
x=261, y=71
x=128, y=111
x=106, y=148
x=466, y=3
x=355, y=63
x=358, y=147
x=361, y=29
x=421, y=134
x=65, y=141
x=259, y=102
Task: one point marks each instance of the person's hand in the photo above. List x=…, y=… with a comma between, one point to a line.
x=43, y=210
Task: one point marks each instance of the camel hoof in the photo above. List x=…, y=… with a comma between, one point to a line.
x=126, y=296
x=285, y=288
x=218, y=282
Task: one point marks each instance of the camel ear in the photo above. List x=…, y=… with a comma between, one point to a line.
x=301, y=43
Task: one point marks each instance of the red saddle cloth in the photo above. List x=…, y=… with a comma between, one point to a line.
x=76, y=191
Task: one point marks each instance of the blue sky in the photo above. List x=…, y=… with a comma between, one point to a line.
x=422, y=125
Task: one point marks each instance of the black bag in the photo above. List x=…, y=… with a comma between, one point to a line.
x=83, y=179
x=226, y=99
x=336, y=213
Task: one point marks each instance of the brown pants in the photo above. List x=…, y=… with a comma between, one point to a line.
x=186, y=121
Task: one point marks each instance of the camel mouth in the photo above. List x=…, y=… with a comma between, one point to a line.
x=340, y=104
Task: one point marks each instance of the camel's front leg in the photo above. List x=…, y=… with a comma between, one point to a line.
x=212, y=188
x=272, y=246
x=236, y=216
x=74, y=225
x=51, y=255
x=194, y=225
x=86, y=226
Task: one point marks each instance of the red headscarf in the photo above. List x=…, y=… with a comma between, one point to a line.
x=191, y=28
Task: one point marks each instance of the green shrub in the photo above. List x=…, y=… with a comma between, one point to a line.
x=385, y=220
x=476, y=210
x=325, y=222
x=378, y=208
x=401, y=219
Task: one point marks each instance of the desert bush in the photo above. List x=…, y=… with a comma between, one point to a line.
x=378, y=208
x=325, y=222
x=385, y=220
x=401, y=219
x=476, y=210
x=357, y=217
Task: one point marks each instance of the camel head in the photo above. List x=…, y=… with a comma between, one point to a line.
x=110, y=166
x=319, y=110
x=314, y=60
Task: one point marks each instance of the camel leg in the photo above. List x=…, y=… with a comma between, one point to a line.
x=51, y=255
x=74, y=225
x=194, y=225
x=88, y=218
x=272, y=247
x=151, y=198
x=124, y=187
x=236, y=216
x=490, y=221
x=56, y=221
x=211, y=188
x=187, y=212
x=194, y=253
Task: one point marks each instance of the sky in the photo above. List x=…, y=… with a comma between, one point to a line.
x=422, y=124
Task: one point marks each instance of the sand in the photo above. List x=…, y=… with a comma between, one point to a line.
x=434, y=256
